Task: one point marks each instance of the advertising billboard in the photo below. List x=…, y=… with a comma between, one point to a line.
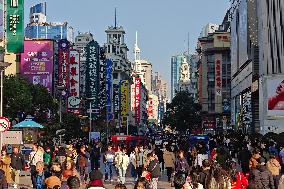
x=109, y=89
x=1, y=18
x=243, y=32
x=15, y=26
x=218, y=76
x=93, y=73
x=275, y=96
x=116, y=103
x=37, y=62
x=137, y=97
x=73, y=104
x=222, y=40
x=63, y=65
x=124, y=98
x=234, y=45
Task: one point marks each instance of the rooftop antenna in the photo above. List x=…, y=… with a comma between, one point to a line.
x=115, y=17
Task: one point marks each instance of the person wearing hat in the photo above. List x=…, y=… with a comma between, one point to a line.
x=261, y=177
x=53, y=182
x=274, y=167
x=96, y=177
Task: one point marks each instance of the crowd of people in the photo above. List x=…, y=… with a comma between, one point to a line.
x=222, y=162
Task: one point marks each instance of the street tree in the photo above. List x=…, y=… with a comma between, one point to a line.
x=183, y=112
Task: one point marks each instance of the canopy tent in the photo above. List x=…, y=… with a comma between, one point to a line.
x=28, y=123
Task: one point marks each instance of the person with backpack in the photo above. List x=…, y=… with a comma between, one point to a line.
x=205, y=171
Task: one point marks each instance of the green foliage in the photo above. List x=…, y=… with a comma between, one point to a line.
x=22, y=96
x=183, y=113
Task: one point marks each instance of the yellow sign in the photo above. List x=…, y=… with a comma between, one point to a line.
x=124, y=97
x=222, y=40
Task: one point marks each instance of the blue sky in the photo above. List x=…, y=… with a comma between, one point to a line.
x=162, y=25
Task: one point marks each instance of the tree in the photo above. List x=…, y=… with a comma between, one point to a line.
x=22, y=96
x=183, y=113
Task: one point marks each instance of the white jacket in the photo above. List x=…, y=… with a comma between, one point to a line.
x=35, y=157
x=122, y=161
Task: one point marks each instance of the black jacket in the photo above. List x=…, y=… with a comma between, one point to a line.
x=17, y=161
x=154, y=168
x=262, y=178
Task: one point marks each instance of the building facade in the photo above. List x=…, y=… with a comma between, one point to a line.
x=39, y=28
x=271, y=67
x=81, y=41
x=244, y=66
x=214, y=75
x=116, y=50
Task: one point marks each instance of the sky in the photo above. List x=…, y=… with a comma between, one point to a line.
x=162, y=25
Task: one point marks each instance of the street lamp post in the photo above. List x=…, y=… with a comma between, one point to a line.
x=60, y=89
x=3, y=66
x=90, y=116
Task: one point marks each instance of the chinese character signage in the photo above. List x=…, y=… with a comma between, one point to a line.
x=15, y=26
x=124, y=97
x=218, y=77
x=116, y=103
x=74, y=82
x=63, y=64
x=137, y=100
x=93, y=73
x=108, y=89
x=102, y=94
x=222, y=40
x=37, y=62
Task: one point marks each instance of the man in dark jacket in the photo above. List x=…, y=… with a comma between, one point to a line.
x=181, y=164
x=17, y=163
x=205, y=171
x=244, y=158
x=154, y=168
x=261, y=177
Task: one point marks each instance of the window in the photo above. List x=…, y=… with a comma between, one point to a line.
x=210, y=58
x=115, y=75
x=87, y=39
x=79, y=39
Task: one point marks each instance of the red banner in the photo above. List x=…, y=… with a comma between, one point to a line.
x=137, y=101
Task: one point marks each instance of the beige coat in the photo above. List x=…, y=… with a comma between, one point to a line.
x=273, y=166
x=169, y=159
x=5, y=166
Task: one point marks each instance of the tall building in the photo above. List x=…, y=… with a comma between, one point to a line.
x=271, y=68
x=245, y=64
x=176, y=62
x=214, y=76
x=194, y=58
x=116, y=50
x=147, y=74
x=81, y=41
x=39, y=28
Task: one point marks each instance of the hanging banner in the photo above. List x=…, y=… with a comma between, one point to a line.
x=63, y=65
x=93, y=74
x=102, y=95
x=218, y=77
x=74, y=83
x=37, y=62
x=15, y=26
x=124, y=98
x=108, y=89
x=116, y=106
x=137, y=100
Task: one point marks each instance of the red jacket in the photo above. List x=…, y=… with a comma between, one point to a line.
x=241, y=182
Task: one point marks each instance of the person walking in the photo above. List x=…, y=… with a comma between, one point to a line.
x=254, y=160
x=154, y=169
x=134, y=159
x=122, y=164
x=244, y=158
x=35, y=156
x=274, y=167
x=82, y=163
x=281, y=155
x=181, y=165
x=47, y=156
x=261, y=177
x=108, y=161
x=169, y=159
x=95, y=157
x=17, y=164
x=5, y=165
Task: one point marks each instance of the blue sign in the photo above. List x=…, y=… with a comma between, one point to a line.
x=108, y=89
